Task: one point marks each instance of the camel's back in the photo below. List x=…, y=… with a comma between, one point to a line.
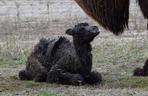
x=63, y=48
x=65, y=53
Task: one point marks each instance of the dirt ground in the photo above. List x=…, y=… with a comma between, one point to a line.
x=115, y=57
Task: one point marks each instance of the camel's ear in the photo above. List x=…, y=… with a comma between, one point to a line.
x=69, y=32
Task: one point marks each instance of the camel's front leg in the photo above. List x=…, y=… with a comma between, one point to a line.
x=58, y=75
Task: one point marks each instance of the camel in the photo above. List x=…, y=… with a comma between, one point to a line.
x=113, y=15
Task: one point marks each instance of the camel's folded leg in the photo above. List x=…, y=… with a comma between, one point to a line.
x=25, y=75
x=41, y=76
x=58, y=75
x=93, y=77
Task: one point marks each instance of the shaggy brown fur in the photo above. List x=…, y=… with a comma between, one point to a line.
x=144, y=7
x=113, y=15
x=142, y=71
x=147, y=25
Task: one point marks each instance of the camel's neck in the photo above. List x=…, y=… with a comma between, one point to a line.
x=83, y=50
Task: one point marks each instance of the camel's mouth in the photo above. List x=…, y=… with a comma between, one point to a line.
x=96, y=33
x=94, y=30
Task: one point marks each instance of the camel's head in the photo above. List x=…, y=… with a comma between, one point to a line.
x=83, y=32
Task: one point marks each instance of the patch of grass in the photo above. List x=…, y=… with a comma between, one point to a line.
x=31, y=84
x=126, y=82
x=114, y=53
x=13, y=61
x=4, y=60
x=20, y=57
x=45, y=93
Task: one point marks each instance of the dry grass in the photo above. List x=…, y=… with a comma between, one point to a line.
x=115, y=57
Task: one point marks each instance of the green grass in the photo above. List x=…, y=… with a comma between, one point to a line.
x=112, y=53
x=124, y=54
x=9, y=60
x=45, y=93
x=31, y=84
x=14, y=58
x=126, y=82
